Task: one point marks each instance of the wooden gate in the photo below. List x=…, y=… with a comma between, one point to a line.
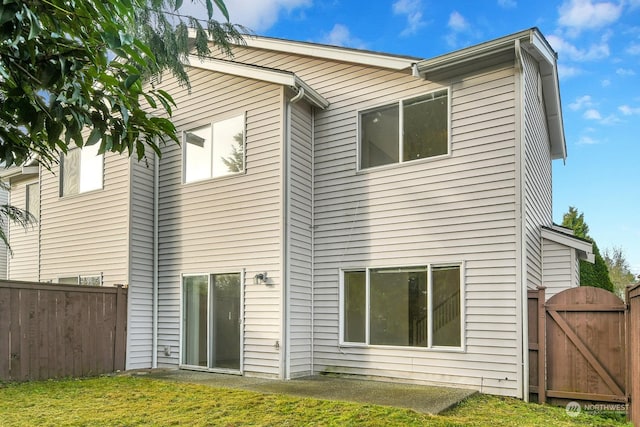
x=586, y=345
x=633, y=334
x=582, y=340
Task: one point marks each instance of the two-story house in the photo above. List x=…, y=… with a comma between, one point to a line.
x=329, y=210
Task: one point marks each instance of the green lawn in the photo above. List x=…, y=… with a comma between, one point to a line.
x=135, y=401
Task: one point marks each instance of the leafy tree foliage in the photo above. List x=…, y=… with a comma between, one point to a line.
x=74, y=71
x=81, y=71
x=619, y=271
x=595, y=274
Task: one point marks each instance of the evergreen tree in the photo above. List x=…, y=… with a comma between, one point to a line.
x=595, y=274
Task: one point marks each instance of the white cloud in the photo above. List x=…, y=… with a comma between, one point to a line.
x=611, y=119
x=457, y=22
x=565, y=72
x=605, y=83
x=592, y=114
x=341, y=36
x=255, y=15
x=507, y=4
x=569, y=51
x=633, y=49
x=586, y=140
x=413, y=11
x=579, y=15
x=580, y=103
x=629, y=111
x=625, y=72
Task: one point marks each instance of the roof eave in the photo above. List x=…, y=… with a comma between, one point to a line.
x=583, y=247
x=270, y=75
x=323, y=51
x=533, y=41
x=336, y=53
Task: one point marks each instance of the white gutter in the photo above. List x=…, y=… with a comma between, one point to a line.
x=154, y=322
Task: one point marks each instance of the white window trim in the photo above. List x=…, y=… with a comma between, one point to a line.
x=430, y=346
x=183, y=150
x=182, y=365
x=400, y=102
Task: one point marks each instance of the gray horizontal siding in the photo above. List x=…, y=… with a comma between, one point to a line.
x=537, y=179
x=300, y=241
x=558, y=267
x=23, y=264
x=140, y=297
x=228, y=224
x=460, y=208
x=87, y=233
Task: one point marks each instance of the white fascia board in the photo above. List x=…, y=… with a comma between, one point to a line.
x=270, y=75
x=547, y=58
x=585, y=249
x=332, y=52
x=284, y=78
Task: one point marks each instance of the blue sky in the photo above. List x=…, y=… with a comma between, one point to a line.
x=598, y=43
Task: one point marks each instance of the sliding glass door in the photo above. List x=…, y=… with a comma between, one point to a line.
x=211, y=326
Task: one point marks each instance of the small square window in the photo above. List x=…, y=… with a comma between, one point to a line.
x=408, y=130
x=214, y=150
x=81, y=170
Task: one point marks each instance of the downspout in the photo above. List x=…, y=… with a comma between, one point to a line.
x=521, y=300
x=285, y=295
x=313, y=237
x=284, y=251
x=154, y=322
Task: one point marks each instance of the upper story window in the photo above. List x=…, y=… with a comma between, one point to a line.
x=81, y=170
x=411, y=129
x=214, y=150
x=405, y=306
x=33, y=199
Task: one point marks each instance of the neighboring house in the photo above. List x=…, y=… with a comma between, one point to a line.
x=329, y=210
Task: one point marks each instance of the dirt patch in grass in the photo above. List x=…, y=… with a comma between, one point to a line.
x=134, y=401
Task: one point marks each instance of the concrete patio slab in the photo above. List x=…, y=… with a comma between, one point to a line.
x=420, y=398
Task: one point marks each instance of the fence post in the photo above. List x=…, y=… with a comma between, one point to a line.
x=542, y=346
x=121, y=329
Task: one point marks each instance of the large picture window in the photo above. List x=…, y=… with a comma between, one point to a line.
x=406, y=306
x=214, y=150
x=81, y=170
x=411, y=129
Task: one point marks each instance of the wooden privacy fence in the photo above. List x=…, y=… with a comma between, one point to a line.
x=53, y=331
x=583, y=346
